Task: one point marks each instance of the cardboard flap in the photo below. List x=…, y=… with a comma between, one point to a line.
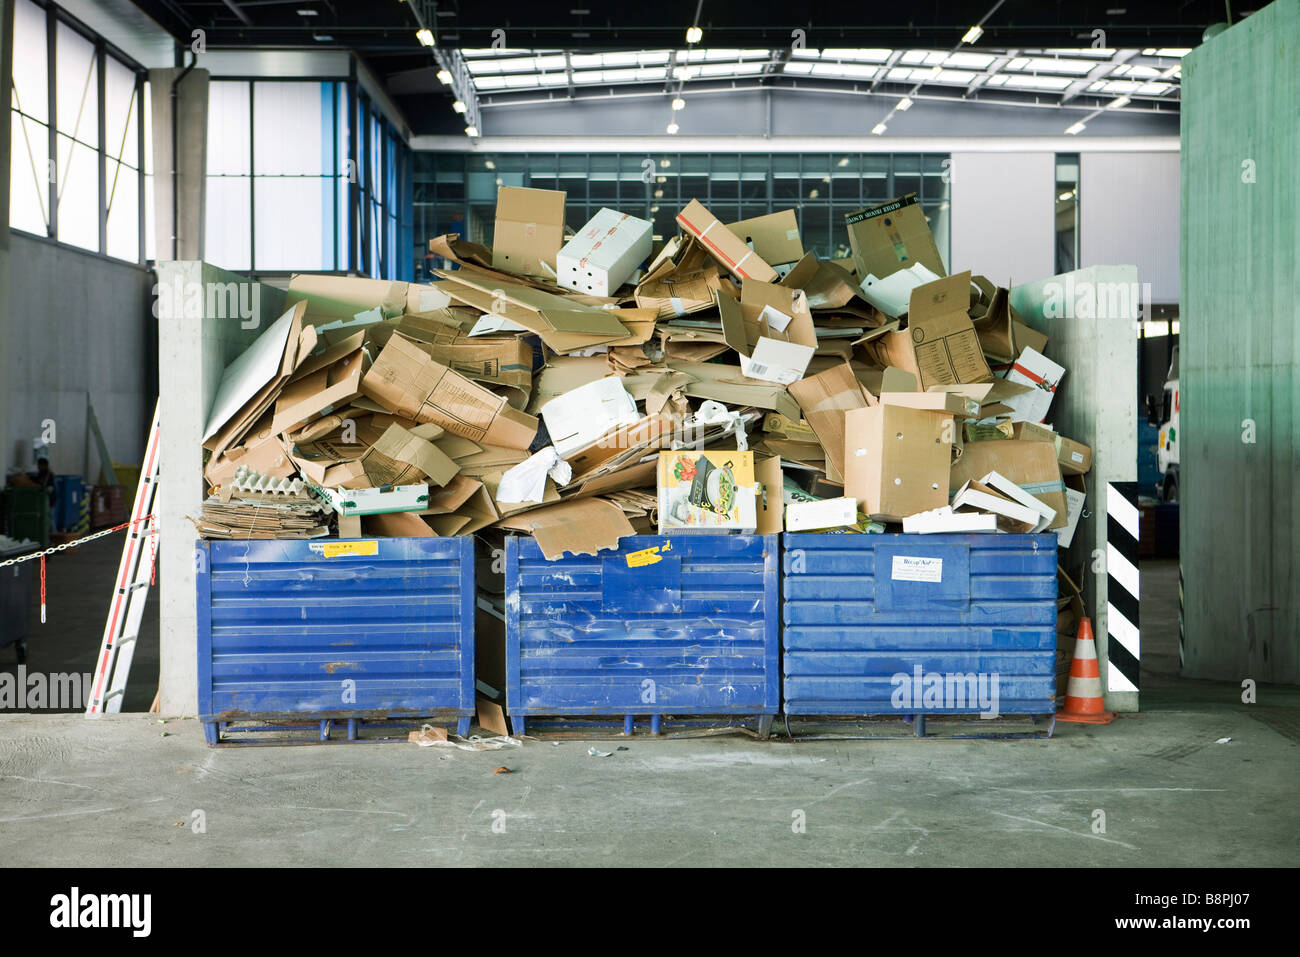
x=582, y=527
x=775, y=236
x=940, y=298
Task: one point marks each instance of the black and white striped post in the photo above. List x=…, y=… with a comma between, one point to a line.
x=1123, y=594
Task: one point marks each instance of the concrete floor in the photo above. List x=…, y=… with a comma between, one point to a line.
x=125, y=790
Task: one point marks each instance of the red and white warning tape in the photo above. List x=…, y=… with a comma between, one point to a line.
x=153, y=534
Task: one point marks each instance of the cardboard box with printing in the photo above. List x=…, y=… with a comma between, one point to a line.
x=939, y=345
x=892, y=236
x=707, y=491
x=405, y=379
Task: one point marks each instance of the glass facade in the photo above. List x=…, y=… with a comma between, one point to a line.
x=79, y=153
x=305, y=176
x=456, y=192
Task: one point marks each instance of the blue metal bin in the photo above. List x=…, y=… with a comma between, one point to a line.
x=662, y=625
x=335, y=631
x=869, y=617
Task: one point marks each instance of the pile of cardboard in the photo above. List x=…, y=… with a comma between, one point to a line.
x=584, y=388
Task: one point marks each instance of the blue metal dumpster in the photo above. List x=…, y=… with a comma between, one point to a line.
x=910, y=625
x=334, y=632
x=662, y=625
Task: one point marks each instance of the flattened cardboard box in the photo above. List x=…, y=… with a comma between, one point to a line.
x=826, y=285
x=728, y=385
x=896, y=460
x=341, y=298
x=506, y=362
x=320, y=391
x=892, y=236
x=775, y=237
x=411, y=383
x=584, y=527
x=939, y=345
x=529, y=230
x=1030, y=465
x=724, y=245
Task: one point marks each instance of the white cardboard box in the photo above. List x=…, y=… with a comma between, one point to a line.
x=1042, y=375
x=581, y=416
x=604, y=254
x=827, y=513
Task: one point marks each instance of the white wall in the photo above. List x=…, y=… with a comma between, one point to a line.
x=1003, y=215
x=1128, y=213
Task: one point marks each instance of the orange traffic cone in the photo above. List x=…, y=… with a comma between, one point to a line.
x=1083, y=701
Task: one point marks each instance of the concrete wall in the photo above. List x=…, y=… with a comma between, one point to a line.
x=1004, y=215
x=1095, y=404
x=78, y=324
x=1238, y=357
x=1128, y=212
x=193, y=352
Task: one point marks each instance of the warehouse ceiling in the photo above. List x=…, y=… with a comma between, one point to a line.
x=1092, y=56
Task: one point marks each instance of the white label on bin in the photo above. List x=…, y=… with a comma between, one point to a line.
x=909, y=569
x=1076, y=457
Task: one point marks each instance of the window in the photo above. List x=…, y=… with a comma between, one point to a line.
x=77, y=168
x=1067, y=212
x=288, y=188
x=456, y=192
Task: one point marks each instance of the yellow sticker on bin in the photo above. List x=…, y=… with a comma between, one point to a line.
x=647, y=556
x=337, y=549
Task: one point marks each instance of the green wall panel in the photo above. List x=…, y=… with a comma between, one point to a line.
x=1238, y=361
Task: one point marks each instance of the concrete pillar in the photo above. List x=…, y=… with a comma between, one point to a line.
x=6, y=94
x=1239, y=354
x=195, y=344
x=179, y=236
x=1091, y=320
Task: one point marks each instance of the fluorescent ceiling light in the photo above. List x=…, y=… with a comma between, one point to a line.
x=444, y=77
x=458, y=106
x=471, y=131
x=973, y=35
x=1119, y=103
x=694, y=35
x=305, y=12
x=679, y=103
x=1066, y=195
x=904, y=104
x=490, y=165
x=844, y=161
x=1075, y=128
x=672, y=129
x=425, y=36
x=878, y=129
